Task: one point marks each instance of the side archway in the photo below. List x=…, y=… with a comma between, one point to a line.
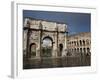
x=60, y=49
x=33, y=49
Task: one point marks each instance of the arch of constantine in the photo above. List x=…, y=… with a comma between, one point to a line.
x=39, y=33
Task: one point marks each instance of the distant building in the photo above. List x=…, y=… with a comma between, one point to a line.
x=79, y=44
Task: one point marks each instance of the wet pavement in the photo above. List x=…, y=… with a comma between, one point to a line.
x=49, y=62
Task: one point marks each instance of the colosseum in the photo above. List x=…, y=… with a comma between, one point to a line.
x=48, y=44
x=79, y=44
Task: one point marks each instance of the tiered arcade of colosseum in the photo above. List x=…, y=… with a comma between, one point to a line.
x=79, y=44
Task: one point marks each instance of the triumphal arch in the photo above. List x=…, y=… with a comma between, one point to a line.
x=43, y=38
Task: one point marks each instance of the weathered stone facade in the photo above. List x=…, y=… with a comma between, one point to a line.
x=35, y=31
x=79, y=44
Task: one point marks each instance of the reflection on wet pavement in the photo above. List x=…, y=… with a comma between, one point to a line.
x=49, y=62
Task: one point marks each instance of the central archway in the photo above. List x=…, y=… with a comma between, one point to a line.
x=47, y=46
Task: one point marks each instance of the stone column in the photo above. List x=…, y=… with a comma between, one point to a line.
x=25, y=42
x=86, y=50
x=65, y=46
x=54, y=54
x=38, y=46
x=56, y=41
x=38, y=51
x=65, y=41
x=53, y=51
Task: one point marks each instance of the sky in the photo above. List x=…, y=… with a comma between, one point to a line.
x=76, y=22
x=47, y=42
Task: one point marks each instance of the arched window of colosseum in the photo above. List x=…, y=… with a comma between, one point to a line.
x=80, y=43
x=77, y=50
x=80, y=50
x=87, y=42
x=88, y=49
x=69, y=43
x=84, y=50
x=83, y=43
x=33, y=49
x=74, y=43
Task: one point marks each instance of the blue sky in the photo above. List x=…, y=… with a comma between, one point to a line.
x=77, y=22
